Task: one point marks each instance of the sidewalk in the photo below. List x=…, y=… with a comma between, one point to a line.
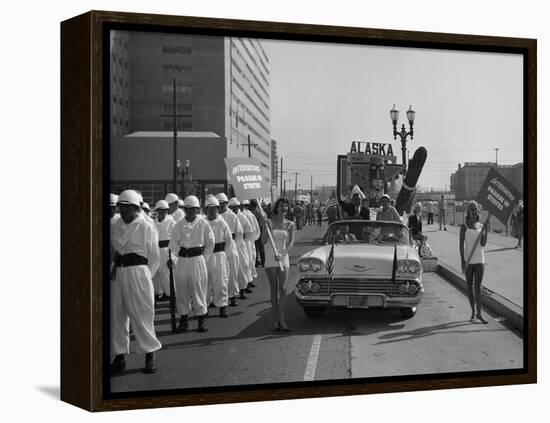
x=504, y=268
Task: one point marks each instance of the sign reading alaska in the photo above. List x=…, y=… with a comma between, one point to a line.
x=371, y=149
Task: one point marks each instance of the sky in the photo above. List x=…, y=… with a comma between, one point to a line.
x=324, y=96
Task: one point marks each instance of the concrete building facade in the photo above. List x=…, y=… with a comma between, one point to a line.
x=222, y=107
x=467, y=180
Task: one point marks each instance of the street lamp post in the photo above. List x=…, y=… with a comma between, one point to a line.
x=403, y=134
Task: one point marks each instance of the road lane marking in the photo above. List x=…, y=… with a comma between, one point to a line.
x=312, y=359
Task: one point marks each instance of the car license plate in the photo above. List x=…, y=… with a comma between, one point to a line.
x=365, y=301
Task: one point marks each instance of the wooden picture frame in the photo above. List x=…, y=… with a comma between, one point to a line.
x=84, y=184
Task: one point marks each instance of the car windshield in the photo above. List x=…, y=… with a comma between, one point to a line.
x=367, y=232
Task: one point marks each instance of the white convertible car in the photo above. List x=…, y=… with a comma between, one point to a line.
x=362, y=264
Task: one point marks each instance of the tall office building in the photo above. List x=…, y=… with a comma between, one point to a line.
x=222, y=110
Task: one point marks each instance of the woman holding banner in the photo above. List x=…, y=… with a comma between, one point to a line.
x=473, y=237
x=283, y=237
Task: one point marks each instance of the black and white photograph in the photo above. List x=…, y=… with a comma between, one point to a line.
x=296, y=212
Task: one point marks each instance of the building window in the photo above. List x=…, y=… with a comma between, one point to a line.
x=182, y=126
x=177, y=69
x=176, y=50
x=180, y=88
x=184, y=109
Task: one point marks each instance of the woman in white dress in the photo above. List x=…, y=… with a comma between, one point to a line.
x=473, y=270
x=283, y=236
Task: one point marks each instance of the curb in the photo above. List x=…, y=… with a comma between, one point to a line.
x=494, y=302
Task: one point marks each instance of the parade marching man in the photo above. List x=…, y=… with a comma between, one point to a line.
x=173, y=207
x=233, y=257
x=114, y=214
x=218, y=266
x=251, y=239
x=136, y=260
x=164, y=223
x=244, y=275
x=193, y=240
x=146, y=209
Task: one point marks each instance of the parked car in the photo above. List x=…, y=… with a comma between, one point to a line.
x=362, y=264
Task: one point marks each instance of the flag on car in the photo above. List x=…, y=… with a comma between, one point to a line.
x=330, y=262
x=394, y=268
x=333, y=202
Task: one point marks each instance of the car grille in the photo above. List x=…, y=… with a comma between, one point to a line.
x=337, y=286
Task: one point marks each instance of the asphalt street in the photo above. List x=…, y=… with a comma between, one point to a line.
x=342, y=344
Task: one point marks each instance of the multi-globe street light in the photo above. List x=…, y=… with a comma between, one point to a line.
x=403, y=134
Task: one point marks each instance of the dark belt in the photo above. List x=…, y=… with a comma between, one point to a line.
x=190, y=252
x=164, y=243
x=131, y=259
x=220, y=246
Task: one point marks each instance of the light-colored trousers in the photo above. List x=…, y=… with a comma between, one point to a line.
x=191, y=280
x=218, y=278
x=132, y=301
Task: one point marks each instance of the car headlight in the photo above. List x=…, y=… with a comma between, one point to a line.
x=403, y=288
x=402, y=267
x=413, y=267
x=310, y=264
x=304, y=287
x=304, y=266
x=315, y=287
x=413, y=288
x=408, y=266
x=315, y=265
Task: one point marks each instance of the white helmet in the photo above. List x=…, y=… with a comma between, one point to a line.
x=161, y=205
x=245, y=203
x=180, y=203
x=222, y=198
x=191, y=201
x=113, y=198
x=129, y=197
x=211, y=201
x=145, y=206
x=171, y=198
x=234, y=202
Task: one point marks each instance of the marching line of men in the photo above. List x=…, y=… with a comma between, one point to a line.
x=212, y=257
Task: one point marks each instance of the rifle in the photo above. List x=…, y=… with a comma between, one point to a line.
x=172, y=294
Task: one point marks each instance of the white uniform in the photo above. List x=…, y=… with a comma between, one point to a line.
x=178, y=215
x=191, y=277
x=233, y=257
x=218, y=266
x=115, y=217
x=251, y=238
x=161, y=280
x=132, y=296
x=244, y=252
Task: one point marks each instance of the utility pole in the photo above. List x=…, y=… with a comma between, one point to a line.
x=496, y=158
x=281, y=170
x=296, y=186
x=248, y=144
x=310, y=189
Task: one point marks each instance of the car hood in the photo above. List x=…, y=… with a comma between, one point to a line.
x=363, y=260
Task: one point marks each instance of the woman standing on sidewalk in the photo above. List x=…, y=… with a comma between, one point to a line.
x=283, y=237
x=473, y=270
